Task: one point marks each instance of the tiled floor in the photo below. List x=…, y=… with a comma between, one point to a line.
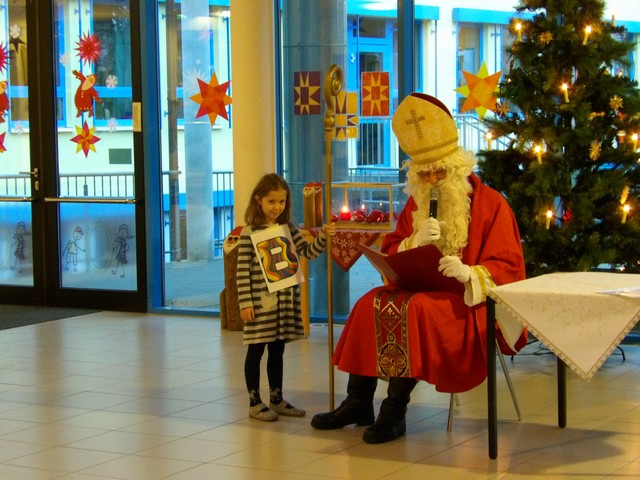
x=142, y=397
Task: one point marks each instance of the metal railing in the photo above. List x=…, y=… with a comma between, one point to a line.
x=471, y=132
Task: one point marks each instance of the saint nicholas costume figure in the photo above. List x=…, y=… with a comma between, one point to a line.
x=439, y=335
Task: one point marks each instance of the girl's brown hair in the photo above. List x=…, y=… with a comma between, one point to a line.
x=269, y=183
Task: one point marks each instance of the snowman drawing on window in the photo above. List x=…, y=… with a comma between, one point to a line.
x=120, y=249
x=72, y=248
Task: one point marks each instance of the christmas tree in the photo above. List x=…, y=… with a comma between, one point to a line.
x=566, y=127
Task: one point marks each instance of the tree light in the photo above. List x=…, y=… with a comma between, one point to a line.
x=549, y=215
x=565, y=89
x=625, y=211
x=587, y=31
x=538, y=151
x=489, y=136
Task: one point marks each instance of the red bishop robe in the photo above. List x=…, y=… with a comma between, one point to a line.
x=446, y=339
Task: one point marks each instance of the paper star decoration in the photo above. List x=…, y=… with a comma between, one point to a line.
x=480, y=91
x=346, y=116
x=306, y=93
x=85, y=139
x=212, y=99
x=4, y=56
x=375, y=94
x=89, y=48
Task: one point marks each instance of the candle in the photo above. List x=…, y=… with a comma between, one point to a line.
x=489, y=137
x=625, y=211
x=345, y=214
x=519, y=31
x=587, y=31
x=565, y=89
x=549, y=216
x=538, y=151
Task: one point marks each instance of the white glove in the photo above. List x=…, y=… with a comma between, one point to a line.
x=452, y=266
x=428, y=231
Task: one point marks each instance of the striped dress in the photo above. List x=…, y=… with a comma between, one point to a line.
x=278, y=315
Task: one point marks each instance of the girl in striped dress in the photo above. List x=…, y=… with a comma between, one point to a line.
x=270, y=319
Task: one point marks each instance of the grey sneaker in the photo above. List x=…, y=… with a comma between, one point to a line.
x=286, y=409
x=263, y=413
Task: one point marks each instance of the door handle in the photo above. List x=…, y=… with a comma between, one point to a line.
x=34, y=173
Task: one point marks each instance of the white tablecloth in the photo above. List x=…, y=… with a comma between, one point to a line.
x=566, y=312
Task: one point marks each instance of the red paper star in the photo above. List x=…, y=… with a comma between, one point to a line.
x=212, y=98
x=89, y=48
x=85, y=139
x=480, y=91
x=4, y=56
x=2, y=149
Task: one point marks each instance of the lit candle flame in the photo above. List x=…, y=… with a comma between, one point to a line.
x=587, y=31
x=538, y=151
x=565, y=89
x=519, y=31
x=549, y=215
x=625, y=211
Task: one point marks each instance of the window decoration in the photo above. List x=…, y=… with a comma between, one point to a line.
x=375, y=94
x=86, y=93
x=4, y=100
x=4, y=97
x=213, y=99
x=480, y=91
x=86, y=139
x=306, y=93
x=89, y=48
x=346, y=116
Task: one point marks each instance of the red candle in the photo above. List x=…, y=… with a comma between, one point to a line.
x=345, y=214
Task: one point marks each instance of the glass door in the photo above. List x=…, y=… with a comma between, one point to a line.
x=71, y=215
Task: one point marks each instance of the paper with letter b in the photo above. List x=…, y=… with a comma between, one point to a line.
x=415, y=270
x=278, y=257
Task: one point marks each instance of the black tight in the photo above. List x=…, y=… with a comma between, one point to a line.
x=274, y=365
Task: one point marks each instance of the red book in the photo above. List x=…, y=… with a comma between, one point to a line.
x=415, y=270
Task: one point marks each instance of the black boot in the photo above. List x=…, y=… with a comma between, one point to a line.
x=356, y=408
x=391, y=421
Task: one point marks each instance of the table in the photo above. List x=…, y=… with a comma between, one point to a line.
x=580, y=316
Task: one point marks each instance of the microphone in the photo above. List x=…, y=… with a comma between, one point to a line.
x=433, y=202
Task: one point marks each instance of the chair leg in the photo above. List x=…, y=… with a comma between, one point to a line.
x=509, y=383
x=454, y=398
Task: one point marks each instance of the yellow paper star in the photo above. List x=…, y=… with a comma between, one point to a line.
x=595, y=150
x=616, y=102
x=480, y=91
x=545, y=38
